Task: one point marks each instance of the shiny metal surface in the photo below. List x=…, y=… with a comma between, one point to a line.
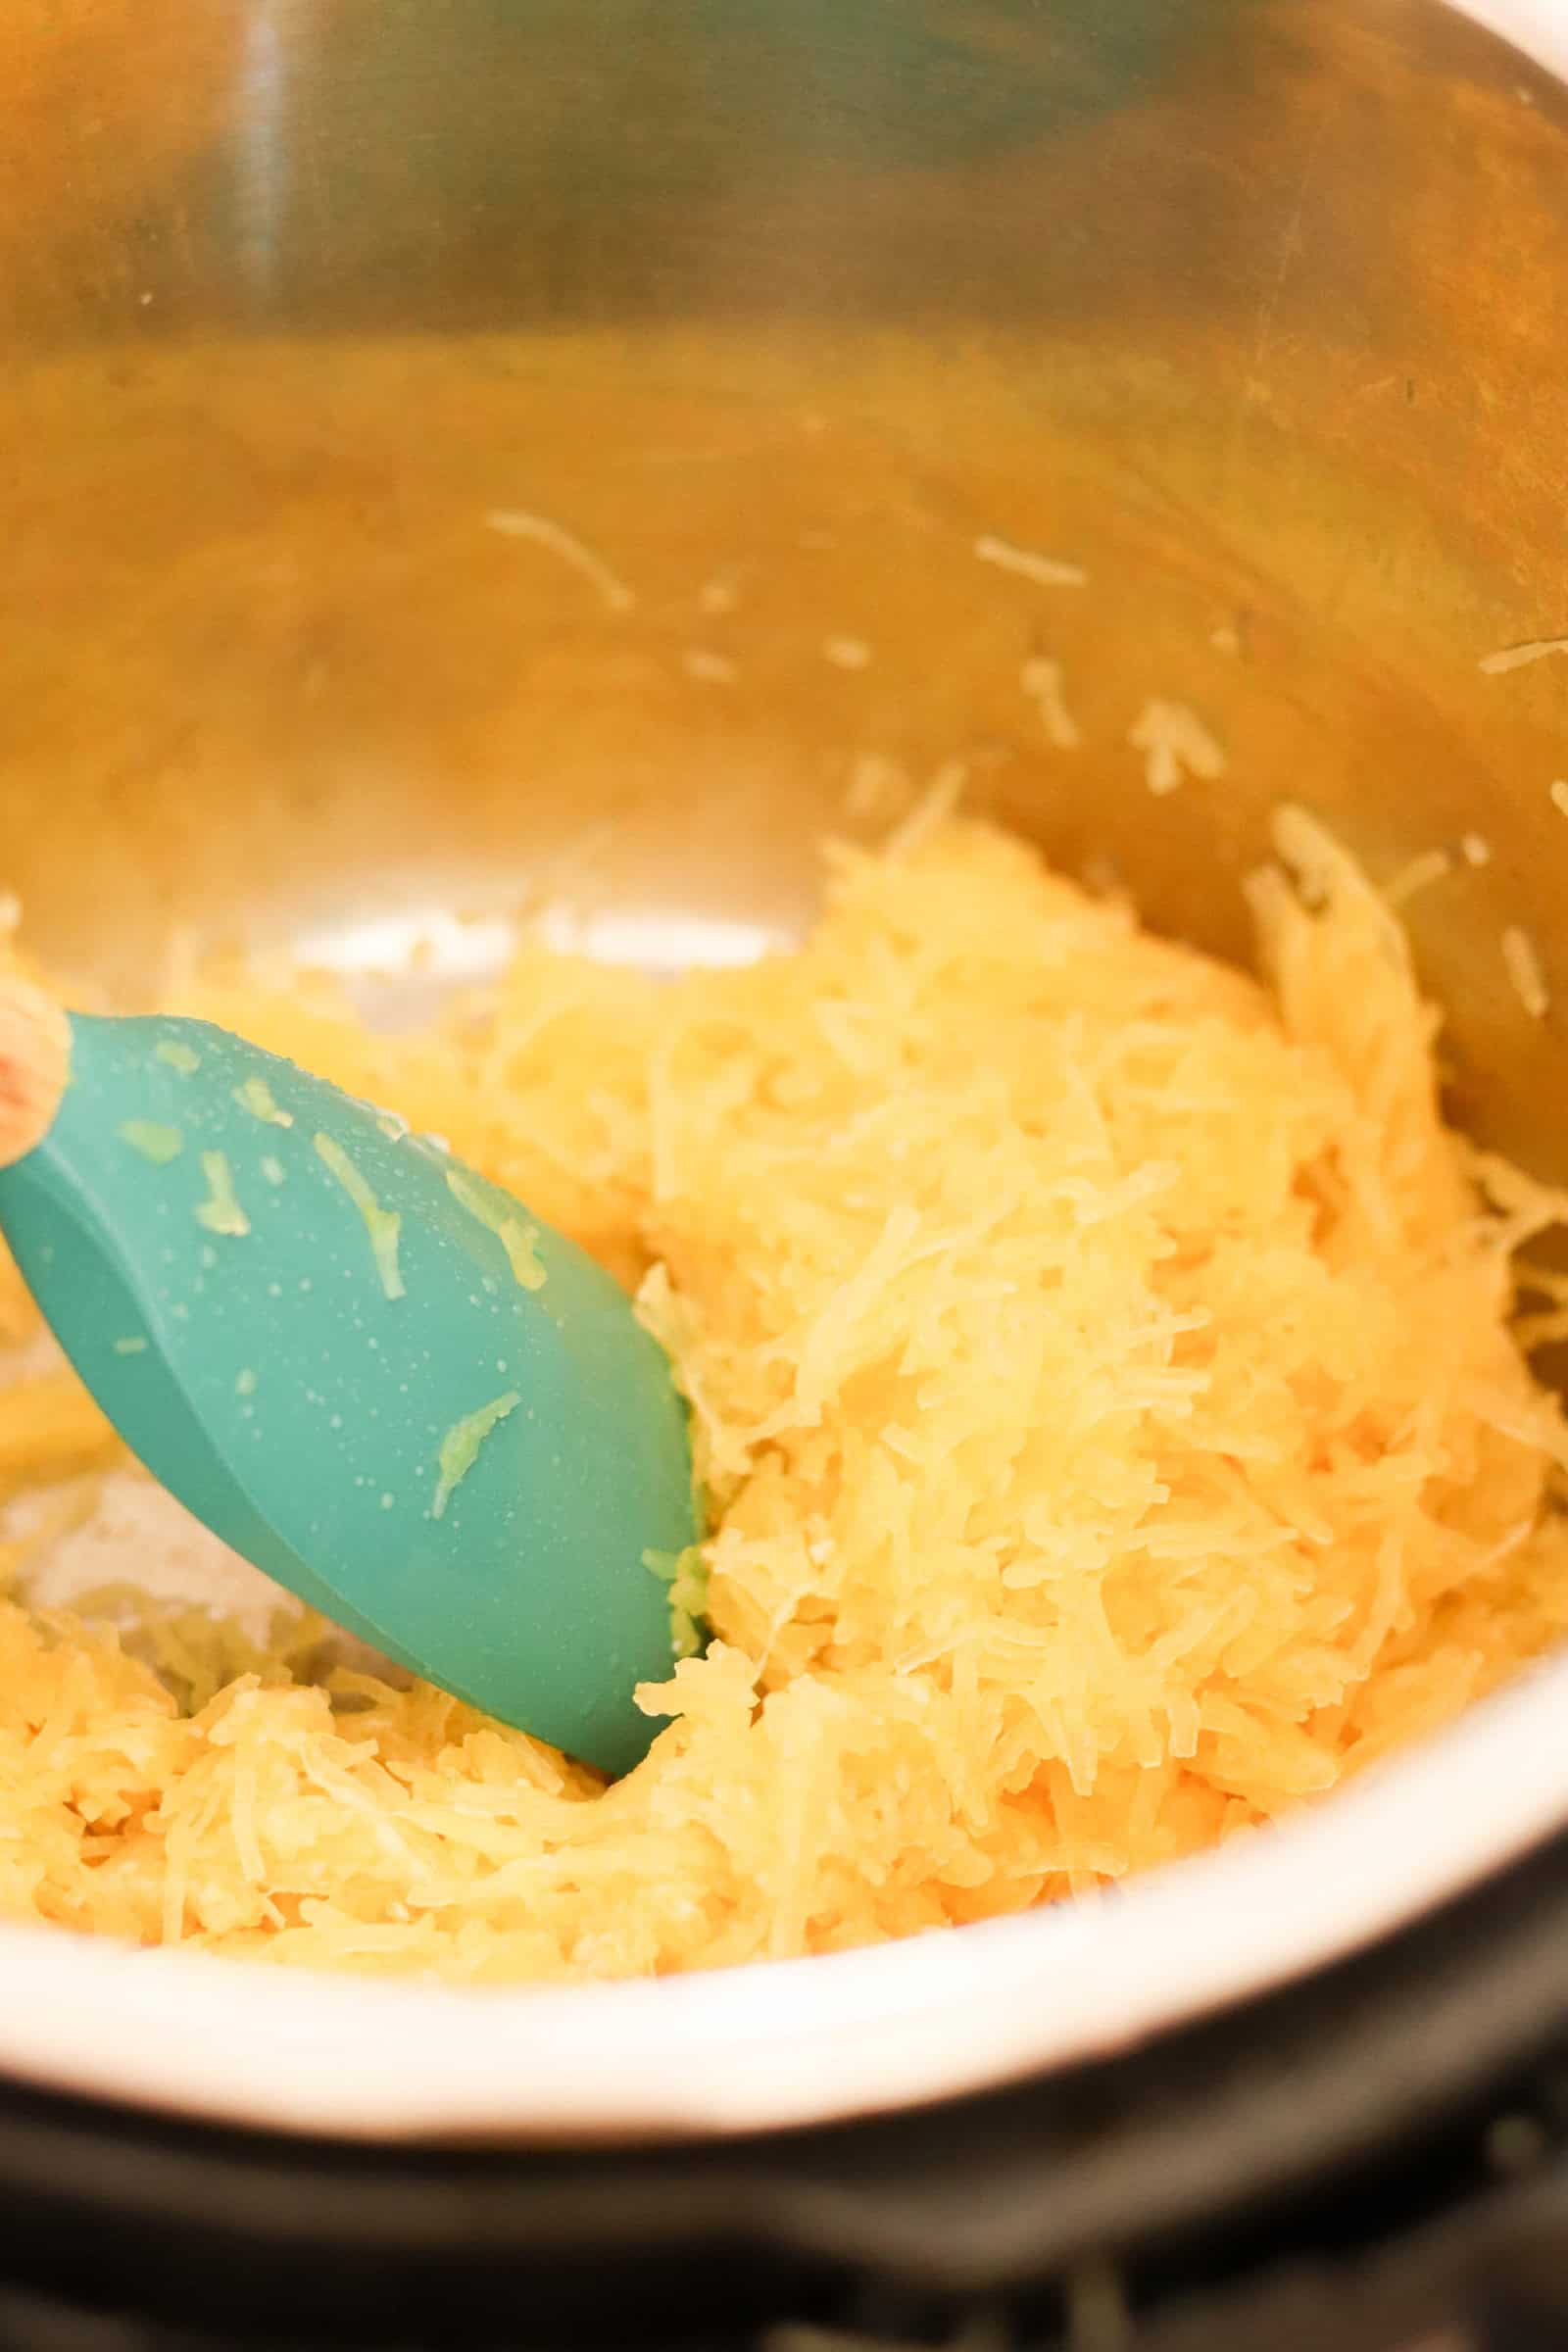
x=1254, y=308
x=324, y=319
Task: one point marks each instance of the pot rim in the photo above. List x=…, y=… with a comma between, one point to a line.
x=1538, y=27
x=787, y=2043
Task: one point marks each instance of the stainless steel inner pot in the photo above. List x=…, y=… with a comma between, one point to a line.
x=529, y=452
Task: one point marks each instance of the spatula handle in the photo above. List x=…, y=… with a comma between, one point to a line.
x=34, y=1063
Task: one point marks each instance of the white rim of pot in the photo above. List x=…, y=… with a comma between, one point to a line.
x=794, y=2041
x=1540, y=28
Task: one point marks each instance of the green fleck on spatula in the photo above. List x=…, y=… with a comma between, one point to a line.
x=365, y=1368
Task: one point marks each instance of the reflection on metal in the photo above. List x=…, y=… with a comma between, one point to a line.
x=261, y=151
x=663, y=941
x=399, y=968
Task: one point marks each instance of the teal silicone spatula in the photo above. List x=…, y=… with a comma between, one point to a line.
x=365, y=1368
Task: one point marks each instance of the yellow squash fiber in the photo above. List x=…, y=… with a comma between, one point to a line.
x=1102, y=1366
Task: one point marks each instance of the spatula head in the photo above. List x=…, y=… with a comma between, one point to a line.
x=368, y=1370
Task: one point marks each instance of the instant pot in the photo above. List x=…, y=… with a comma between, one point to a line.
x=440, y=439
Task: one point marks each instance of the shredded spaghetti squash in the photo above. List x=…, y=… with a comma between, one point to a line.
x=1104, y=1368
